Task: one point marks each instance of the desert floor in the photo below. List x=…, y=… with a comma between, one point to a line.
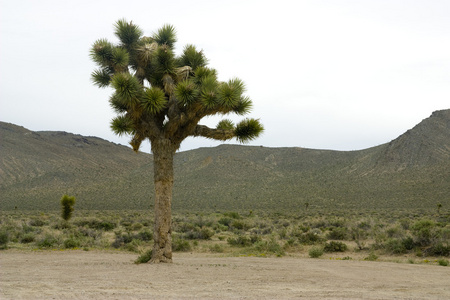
x=80, y=274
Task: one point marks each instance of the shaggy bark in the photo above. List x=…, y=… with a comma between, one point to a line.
x=163, y=154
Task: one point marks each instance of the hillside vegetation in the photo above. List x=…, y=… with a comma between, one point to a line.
x=412, y=171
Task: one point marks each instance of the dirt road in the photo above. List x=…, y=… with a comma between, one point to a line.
x=109, y=275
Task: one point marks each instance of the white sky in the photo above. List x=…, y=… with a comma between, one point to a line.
x=323, y=74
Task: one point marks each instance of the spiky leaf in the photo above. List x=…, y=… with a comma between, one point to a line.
x=193, y=58
x=121, y=125
x=164, y=60
x=202, y=72
x=128, y=33
x=208, y=91
x=101, y=77
x=248, y=130
x=120, y=59
x=229, y=93
x=117, y=104
x=102, y=53
x=225, y=125
x=128, y=88
x=166, y=35
x=154, y=100
x=244, y=106
x=186, y=92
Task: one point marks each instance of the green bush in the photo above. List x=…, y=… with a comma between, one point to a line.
x=337, y=233
x=315, y=252
x=36, y=222
x=144, y=257
x=217, y=248
x=28, y=238
x=395, y=246
x=443, y=262
x=48, y=241
x=311, y=237
x=144, y=235
x=270, y=246
x=243, y=241
x=4, y=239
x=423, y=231
x=335, y=247
x=439, y=249
x=180, y=245
x=71, y=243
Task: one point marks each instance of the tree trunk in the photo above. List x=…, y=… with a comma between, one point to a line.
x=163, y=154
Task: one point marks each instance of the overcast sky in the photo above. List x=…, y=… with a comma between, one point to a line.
x=341, y=75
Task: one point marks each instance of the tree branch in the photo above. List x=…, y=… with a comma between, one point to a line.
x=215, y=134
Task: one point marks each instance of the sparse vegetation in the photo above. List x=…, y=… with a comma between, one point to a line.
x=370, y=235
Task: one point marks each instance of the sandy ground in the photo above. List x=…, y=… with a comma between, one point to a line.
x=110, y=275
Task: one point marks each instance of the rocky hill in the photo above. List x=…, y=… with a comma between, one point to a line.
x=36, y=168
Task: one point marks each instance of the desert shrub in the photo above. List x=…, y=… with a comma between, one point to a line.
x=144, y=235
x=36, y=222
x=364, y=225
x=144, y=257
x=270, y=246
x=47, y=241
x=225, y=221
x=423, y=231
x=405, y=223
x=180, y=245
x=71, y=243
x=311, y=237
x=394, y=232
x=232, y=214
x=121, y=239
x=197, y=233
x=334, y=246
x=217, y=248
x=315, y=252
x=88, y=232
x=443, y=262
x=136, y=226
x=94, y=223
x=337, y=233
x=337, y=223
x=240, y=225
x=243, y=241
x=4, y=239
x=372, y=257
x=439, y=249
x=134, y=245
x=395, y=246
x=408, y=243
x=28, y=238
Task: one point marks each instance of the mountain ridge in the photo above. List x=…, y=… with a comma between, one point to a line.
x=36, y=168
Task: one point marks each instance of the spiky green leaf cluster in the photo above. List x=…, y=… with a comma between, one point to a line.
x=127, y=87
x=128, y=33
x=166, y=35
x=121, y=125
x=225, y=125
x=154, y=100
x=187, y=92
x=248, y=130
x=192, y=58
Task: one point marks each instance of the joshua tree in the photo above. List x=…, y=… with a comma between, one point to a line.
x=67, y=204
x=162, y=97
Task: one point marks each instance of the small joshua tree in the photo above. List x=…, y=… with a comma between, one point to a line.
x=162, y=97
x=67, y=204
